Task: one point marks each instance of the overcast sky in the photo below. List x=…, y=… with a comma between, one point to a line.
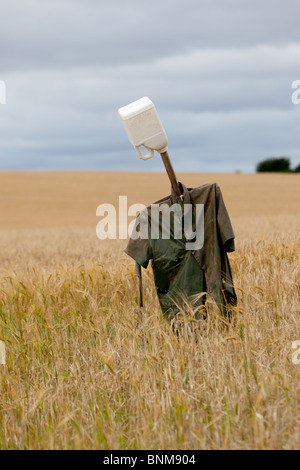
x=219, y=72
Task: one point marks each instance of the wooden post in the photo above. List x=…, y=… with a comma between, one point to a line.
x=138, y=271
x=171, y=173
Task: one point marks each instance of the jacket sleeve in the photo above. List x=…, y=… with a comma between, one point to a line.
x=227, y=237
x=139, y=246
x=224, y=224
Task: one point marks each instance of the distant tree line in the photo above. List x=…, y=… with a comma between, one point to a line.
x=272, y=164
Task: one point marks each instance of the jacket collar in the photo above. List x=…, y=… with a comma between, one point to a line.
x=184, y=198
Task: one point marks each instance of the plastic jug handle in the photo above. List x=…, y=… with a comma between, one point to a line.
x=144, y=157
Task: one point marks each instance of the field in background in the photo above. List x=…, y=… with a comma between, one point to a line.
x=82, y=373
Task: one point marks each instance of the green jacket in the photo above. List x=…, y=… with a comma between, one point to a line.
x=183, y=274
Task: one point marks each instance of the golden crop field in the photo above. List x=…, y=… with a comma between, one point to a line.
x=82, y=372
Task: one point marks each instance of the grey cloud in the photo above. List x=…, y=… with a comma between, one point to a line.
x=65, y=33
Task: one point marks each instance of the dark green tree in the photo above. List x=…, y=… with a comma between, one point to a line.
x=281, y=164
x=297, y=169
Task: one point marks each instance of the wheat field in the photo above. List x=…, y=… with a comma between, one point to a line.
x=84, y=372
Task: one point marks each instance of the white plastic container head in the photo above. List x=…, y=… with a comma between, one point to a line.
x=143, y=127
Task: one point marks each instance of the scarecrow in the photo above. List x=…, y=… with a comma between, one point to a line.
x=185, y=235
